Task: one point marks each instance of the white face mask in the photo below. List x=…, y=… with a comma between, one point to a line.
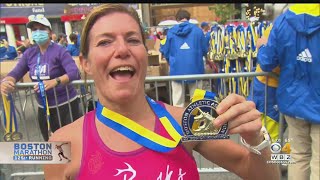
x=154, y=33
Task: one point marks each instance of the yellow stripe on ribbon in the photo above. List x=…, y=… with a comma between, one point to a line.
x=137, y=128
x=8, y=115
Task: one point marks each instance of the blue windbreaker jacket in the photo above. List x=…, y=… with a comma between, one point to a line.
x=9, y=53
x=184, y=49
x=294, y=44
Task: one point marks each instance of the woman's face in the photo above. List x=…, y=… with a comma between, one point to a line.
x=117, y=58
x=38, y=26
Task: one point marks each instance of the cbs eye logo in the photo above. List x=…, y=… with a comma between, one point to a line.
x=275, y=147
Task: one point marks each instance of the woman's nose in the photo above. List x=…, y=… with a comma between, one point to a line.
x=122, y=49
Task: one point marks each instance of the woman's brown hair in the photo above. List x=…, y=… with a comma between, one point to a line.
x=99, y=12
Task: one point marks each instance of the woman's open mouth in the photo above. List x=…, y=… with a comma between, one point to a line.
x=122, y=73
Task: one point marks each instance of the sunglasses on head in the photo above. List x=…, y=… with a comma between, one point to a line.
x=35, y=17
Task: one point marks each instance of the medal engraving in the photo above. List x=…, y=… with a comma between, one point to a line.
x=197, y=122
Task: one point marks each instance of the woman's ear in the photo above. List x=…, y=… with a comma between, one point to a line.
x=85, y=64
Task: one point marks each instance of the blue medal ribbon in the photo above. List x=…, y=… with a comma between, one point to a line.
x=43, y=96
x=138, y=133
x=10, y=118
x=202, y=94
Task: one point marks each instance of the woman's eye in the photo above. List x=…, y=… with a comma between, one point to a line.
x=134, y=41
x=103, y=43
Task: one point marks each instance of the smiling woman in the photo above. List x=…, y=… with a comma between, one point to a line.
x=131, y=130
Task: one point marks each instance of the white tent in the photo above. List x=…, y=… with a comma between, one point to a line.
x=193, y=21
x=168, y=23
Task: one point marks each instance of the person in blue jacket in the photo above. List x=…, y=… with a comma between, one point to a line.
x=74, y=47
x=184, y=50
x=7, y=52
x=206, y=31
x=293, y=44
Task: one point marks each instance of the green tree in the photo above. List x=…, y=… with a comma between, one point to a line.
x=224, y=12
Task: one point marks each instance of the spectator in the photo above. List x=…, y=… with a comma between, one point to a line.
x=206, y=31
x=293, y=44
x=102, y=151
x=54, y=38
x=52, y=65
x=163, y=36
x=74, y=47
x=205, y=27
x=7, y=52
x=62, y=40
x=184, y=50
x=78, y=37
x=153, y=33
x=25, y=45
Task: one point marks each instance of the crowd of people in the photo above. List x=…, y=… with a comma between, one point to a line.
x=9, y=52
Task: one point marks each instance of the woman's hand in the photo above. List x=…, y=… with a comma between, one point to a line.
x=242, y=116
x=48, y=84
x=7, y=87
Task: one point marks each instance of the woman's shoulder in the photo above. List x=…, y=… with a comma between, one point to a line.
x=70, y=132
x=176, y=112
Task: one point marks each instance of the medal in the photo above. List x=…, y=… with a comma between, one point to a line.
x=198, y=118
x=218, y=57
x=232, y=56
x=7, y=137
x=12, y=136
x=10, y=120
x=15, y=136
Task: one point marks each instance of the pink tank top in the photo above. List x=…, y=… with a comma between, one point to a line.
x=100, y=162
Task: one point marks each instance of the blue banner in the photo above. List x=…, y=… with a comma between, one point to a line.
x=48, y=9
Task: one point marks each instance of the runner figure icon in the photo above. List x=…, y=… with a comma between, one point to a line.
x=59, y=147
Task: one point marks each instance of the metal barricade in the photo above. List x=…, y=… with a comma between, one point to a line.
x=158, y=88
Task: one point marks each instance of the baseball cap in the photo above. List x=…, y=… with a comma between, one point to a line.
x=39, y=18
x=203, y=24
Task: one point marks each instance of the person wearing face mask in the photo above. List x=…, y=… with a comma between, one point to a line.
x=153, y=33
x=53, y=68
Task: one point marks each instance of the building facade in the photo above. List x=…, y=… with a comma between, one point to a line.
x=64, y=18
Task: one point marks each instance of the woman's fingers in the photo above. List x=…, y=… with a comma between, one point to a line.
x=7, y=87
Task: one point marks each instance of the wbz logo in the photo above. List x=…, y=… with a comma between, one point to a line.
x=280, y=155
